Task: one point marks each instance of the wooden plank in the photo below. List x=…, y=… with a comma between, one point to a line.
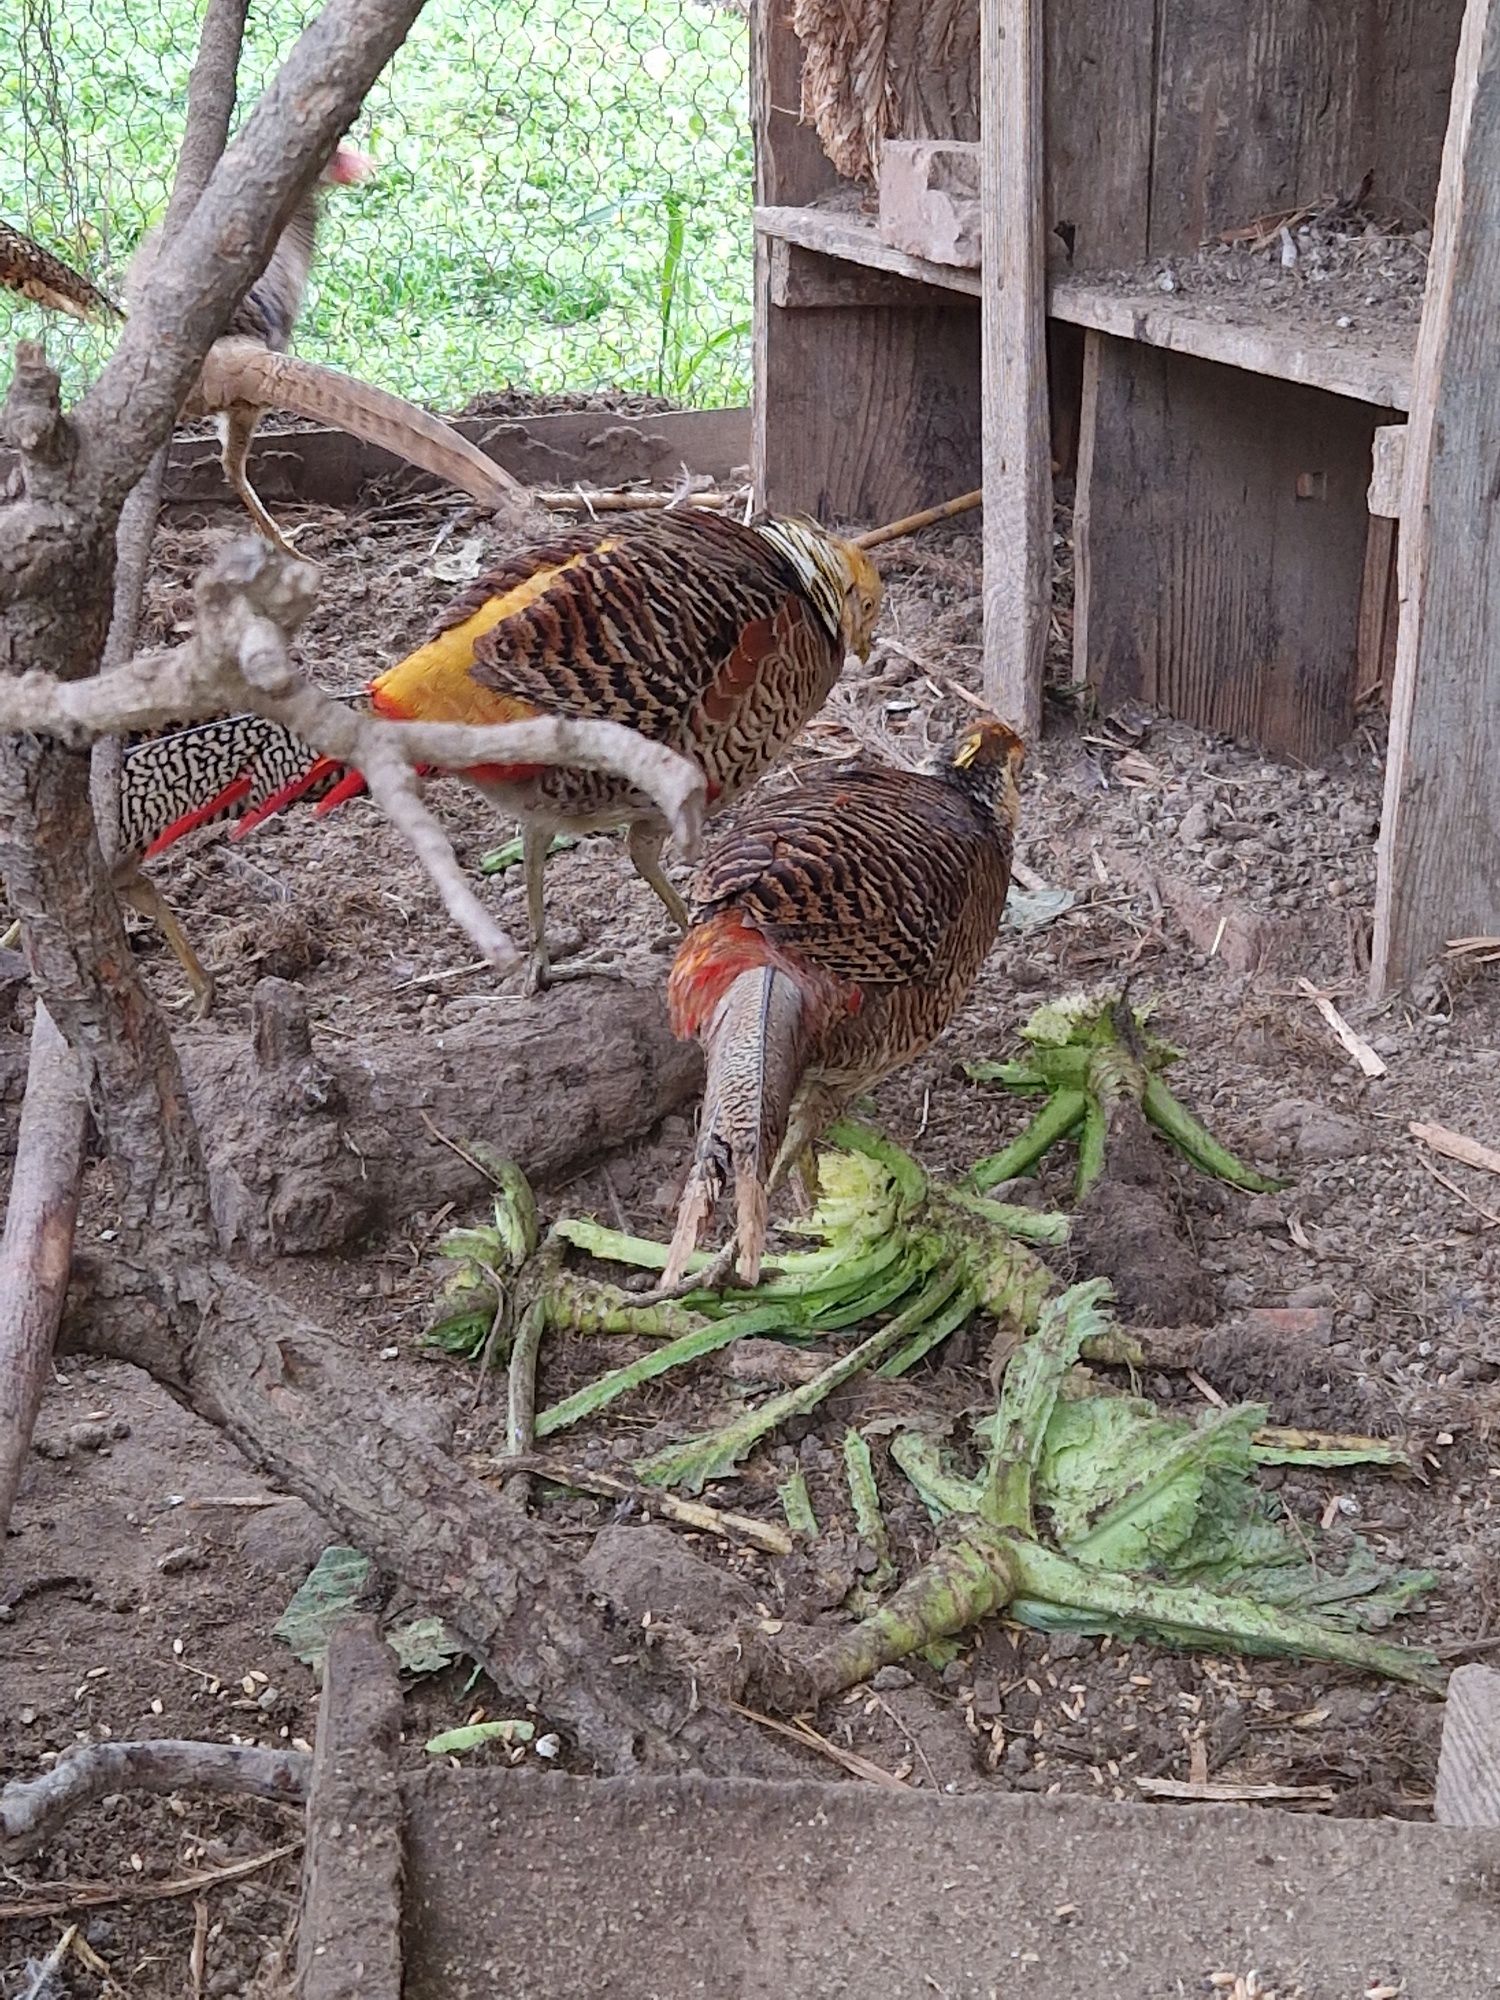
x=1468, y=1773
x=932, y=68
x=1370, y=367
x=790, y=164
x=1379, y=613
x=1388, y=471
x=1100, y=101
x=1017, y=455
x=845, y=233
x=806, y=279
x=589, y=447
x=1264, y=105
x=1439, y=862
x=1220, y=537
x=865, y=413
x=349, y=1935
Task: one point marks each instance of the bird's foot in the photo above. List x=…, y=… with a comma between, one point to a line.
x=196, y=1004
x=540, y=972
x=714, y=1277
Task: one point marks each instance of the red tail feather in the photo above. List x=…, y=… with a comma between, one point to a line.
x=348, y=787
x=322, y=768
x=221, y=802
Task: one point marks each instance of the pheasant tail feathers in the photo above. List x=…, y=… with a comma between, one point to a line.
x=755, y=1044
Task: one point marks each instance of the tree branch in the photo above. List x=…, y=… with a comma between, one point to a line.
x=304, y=1409
x=38, y=1243
x=197, y=281
x=249, y=603
x=32, y=1810
x=212, y=88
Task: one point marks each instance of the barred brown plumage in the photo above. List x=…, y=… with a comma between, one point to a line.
x=837, y=928
x=37, y=274
x=716, y=638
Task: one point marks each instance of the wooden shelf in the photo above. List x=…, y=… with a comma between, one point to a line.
x=854, y=238
x=1366, y=366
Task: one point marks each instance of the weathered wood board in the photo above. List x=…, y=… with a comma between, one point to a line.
x=1221, y=537
x=1439, y=865
x=1263, y=105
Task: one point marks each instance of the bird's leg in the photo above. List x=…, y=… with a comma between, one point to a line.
x=143, y=896
x=803, y=1175
x=645, y=841
x=540, y=973
x=236, y=428
x=713, y=1277
x=814, y=1111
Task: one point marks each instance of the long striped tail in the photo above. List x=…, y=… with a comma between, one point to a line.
x=37, y=274
x=756, y=1043
x=243, y=371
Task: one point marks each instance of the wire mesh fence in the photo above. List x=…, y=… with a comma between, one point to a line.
x=562, y=202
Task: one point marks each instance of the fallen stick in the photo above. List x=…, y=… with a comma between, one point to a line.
x=687, y=1513
x=32, y=1809
x=1354, y=1044
x=1228, y=1794
x=100, y=1895
x=37, y=1249
x=909, y=524
x=620, y=500
x=1455, y=1146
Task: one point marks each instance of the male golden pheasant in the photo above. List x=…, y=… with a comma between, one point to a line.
x=715, y=637
x=248, y=371
x=837, y=928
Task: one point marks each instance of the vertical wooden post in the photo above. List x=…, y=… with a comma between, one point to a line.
x=862, y=411
x=1439, y=863
x=1017, y=447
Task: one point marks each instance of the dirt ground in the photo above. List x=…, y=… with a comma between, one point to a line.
x=147, y=1565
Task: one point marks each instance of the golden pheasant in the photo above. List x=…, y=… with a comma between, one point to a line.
x=714, y=637
x=837, y=928
x=248, y=371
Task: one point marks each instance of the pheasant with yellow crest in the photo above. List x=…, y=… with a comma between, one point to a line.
x=715, y=637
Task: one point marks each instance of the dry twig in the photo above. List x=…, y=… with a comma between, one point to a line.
x=32, y=1809
x=100, y=1895
x=1456, y=1146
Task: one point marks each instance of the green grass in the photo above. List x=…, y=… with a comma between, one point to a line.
x=562, y=199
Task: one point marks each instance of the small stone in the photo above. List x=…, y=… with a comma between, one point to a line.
x=1197, y=823
x=1468, y=1775
x=1311, y=1295
x=175, y=1561
x=284, y=1540
x=891, y=1677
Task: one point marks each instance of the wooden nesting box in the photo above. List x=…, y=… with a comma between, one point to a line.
x=1033, y=186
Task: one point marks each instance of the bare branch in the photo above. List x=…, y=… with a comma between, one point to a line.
x=212, y=89
x=198, y=280
x=38, y=1242
x=250, y=601
x=32, y=1810
x=211, y=92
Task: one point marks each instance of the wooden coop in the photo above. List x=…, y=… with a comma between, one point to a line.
x=980, y=230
